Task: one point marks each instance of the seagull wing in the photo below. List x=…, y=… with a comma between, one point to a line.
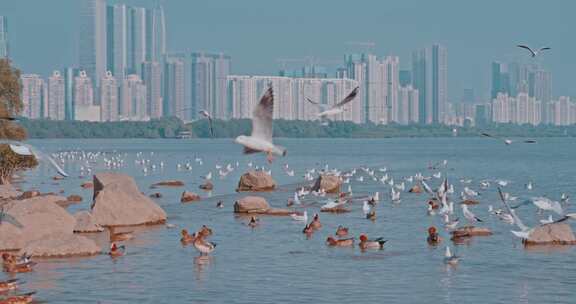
x=211, y=125
x=517, y=220
x=21, y=150
x=57, y=167
x=348, y=98
x=262, y=116
x=527, y=48
x=321, y=105
x=544, y=48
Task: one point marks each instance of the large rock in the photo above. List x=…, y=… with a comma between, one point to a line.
x=8, y=191
x=35, y=219
x=551, y=234
x=119, y=202
x=256, y=181
x=62, y=246
x=469, y=231
x=251, y=204
x=187, y=197
x=258, y=205
x=328, y=183
x=85, y=223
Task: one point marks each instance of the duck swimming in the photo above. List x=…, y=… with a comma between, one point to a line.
x=203, y=246
x=330, y=241
x=186, y=237
x=433, y=236
x=116, y=251
x=366, y=243
x=315, y=224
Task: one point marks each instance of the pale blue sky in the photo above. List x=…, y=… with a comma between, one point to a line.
x=43, y=33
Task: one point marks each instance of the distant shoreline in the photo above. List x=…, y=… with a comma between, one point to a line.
x=173, y=127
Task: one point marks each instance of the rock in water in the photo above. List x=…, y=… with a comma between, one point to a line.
x=468, y=231
x=328, y=183
x=168, y=183
x=207, y=186
x=85, y=223
x=62, y=246
x=74, y=198
x=36, y=218
x=189, y=197
x=551, y=234
x=256, y=181
x=251, y=204
x=119, y=202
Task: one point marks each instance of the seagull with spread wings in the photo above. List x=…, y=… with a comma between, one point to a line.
x=533, y=53
x=261, y=138
x=210, y=123
x=27, y=150
x=337, y=108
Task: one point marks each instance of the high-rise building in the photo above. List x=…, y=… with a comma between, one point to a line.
x=56, y=97
x=468, y=95
x=357, y=70
x=117, y=39
x=109, y=98
x=430, y=77
x=390, y=84
x=500, y=80
x=32, y=91
x=83, y=90
x=4, y=46
x=208, y=84
x=92, y=49
x=175, y=88
x=405, y=77
x=290, y=96
x=136, y=36
x=85, y=108
x=155, y=34
x=69, y=75
x=133, y=99
x=521, y=109
x=407, y=112
x=152, y=77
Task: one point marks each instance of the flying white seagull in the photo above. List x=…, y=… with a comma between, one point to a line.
x=525, y=231
x=261, y=138
x=28, y=150
x=337, y=108
x=533, y=53
x=209, y=117
x=469, y=215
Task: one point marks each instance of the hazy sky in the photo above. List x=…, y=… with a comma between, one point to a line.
x=44, y=34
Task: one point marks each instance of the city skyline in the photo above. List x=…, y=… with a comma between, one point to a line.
x=469, y=56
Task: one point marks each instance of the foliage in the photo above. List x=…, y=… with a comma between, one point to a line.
x=11, y=162
x=10, y=87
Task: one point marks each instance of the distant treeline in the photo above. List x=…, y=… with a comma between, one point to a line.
x=171, y=127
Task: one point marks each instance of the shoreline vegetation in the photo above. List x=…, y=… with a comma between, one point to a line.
x=173, y=127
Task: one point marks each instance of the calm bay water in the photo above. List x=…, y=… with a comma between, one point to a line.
x=275, y=263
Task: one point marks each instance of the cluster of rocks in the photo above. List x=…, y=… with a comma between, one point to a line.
x=38, y=225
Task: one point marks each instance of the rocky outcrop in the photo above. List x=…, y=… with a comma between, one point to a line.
x=29, y=194
x=8, y=191
x=256, y=181
x=85, y=223
x=187, y=197
x=327, y=183
x=32, y=219
x=74, y=198
x=62, y=246
x=168, y=183
x=469, y=231
x=119, y=202
x=258, y=205
x=551, y=234
x=207, y=186
x=251, y=204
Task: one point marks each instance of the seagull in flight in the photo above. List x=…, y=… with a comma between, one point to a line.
x=209, y=117
x=261, y=138
x=27, y=150
x=525, y=231
x=506, y=140
x=337, y=108
x=533, y=53
x=469, y=215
